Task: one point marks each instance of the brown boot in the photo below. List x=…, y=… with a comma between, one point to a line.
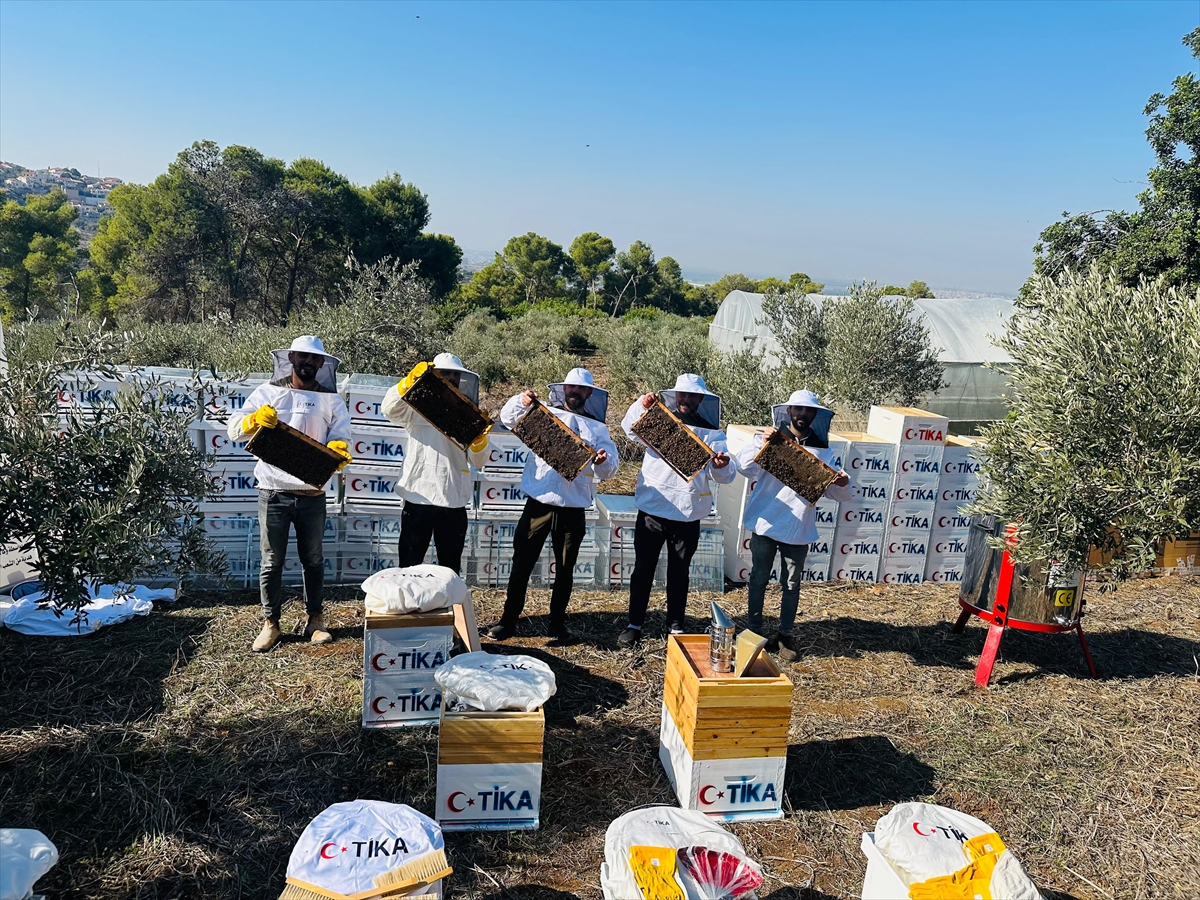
x=315, y=631
x=268, y=637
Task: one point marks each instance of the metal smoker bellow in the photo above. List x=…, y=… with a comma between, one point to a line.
x=1033, y=597
x=720, y=640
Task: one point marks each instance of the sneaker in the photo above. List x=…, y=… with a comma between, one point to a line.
x=676, y=628
x=787, y=648
x=268, y=637
x=560, y=637
x=314, y=630
x=501, y=632
x=629, y=638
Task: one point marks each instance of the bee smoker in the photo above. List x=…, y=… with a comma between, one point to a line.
x=720, y=640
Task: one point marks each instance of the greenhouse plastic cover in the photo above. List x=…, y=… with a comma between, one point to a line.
x=960, y=329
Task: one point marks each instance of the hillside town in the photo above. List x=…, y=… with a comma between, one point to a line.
x=87, y=193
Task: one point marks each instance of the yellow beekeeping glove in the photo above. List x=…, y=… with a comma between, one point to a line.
x=263, y=417
x=411, y=378
x=654, y=871
x=480, y=443
x=973, y=881
x=342, y=448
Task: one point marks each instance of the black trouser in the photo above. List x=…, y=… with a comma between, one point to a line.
x=566, y=526
x=447, y=527
x=278, y=513
x=649, y=535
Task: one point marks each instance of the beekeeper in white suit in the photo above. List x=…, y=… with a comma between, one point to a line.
x=303, y=394
x=436, y=479
x=555, y=507
x=781, y=521
x=670, y=508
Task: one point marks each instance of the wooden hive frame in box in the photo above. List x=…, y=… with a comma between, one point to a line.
x=479, y=737
x=447, y=408
x=795, y=467
x=721, y=716
x=677, y=438
x=294, y=452
x=549, y=438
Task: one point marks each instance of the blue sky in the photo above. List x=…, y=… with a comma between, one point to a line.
x=886, y=141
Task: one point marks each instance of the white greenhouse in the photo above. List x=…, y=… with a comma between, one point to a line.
x=960, y=329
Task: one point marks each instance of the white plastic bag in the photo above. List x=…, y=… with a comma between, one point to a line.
x=663, y=826
x=349, y=846
x=924, y=845
x=110, y=605
x=422, y=588
x=25, y=856
x=488, y=681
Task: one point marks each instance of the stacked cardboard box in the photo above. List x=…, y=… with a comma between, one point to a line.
x=919, y=437
x=951, y=525
x=617, y=518
x=378, y=448
x=858, y=539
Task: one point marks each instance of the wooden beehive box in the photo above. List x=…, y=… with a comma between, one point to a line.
x=447, y=408
x=677, y=444
x=795, y=467
x=478, y=737
x=294, y=452
x=549, y=438
x=722, y=716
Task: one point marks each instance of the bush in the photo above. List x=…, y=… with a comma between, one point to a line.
x=532, y=350
x=1103, y=436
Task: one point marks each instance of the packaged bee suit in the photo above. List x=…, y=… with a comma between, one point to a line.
x=422, y=588
x=489, y=681
x=665, y=852
x=928, y=852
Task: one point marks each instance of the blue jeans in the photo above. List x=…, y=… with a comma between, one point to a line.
x=278, y=511
x=791, y=564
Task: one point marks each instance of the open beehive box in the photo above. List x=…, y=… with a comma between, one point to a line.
x=549, y=438
x=677, y=444
x=723, y=716
x=447, y=408
x=795, y=467
x=294, y=452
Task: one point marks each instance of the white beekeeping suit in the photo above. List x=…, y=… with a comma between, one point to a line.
x=436, y=470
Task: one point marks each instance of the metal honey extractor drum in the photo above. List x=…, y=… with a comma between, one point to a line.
x=1038, y=593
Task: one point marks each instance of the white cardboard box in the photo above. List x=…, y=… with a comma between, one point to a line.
x=942, y=569
x=916, y=490
x=373, y=484
x=910, y=518
x=908, y=569
x=492, y=797
x=500, y=493
x=854, y=567
x=506, y=453
x=866, y=454
x=872, y=488
x=212, y=438
x=399, y=660
x=861, y=517
x=907, y=425
x=378, y=445
x=729, y=790
x=918, y=462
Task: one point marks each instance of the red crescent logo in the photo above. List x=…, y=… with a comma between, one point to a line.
x=375, y=705
x=703, y=799
x=908, y=436
x=325, y=847
x=450, y=802
x=358, y=451
x=917, y=829
x=356, y=484
x=375, y=663
x=904, y=466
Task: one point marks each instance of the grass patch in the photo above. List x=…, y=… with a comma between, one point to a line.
x=167, y=761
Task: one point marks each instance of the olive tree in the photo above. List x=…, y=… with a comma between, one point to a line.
x=106, y=492
x=1101, y=446
x=877, y=350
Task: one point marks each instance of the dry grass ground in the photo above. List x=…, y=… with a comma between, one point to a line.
x=167, y=761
